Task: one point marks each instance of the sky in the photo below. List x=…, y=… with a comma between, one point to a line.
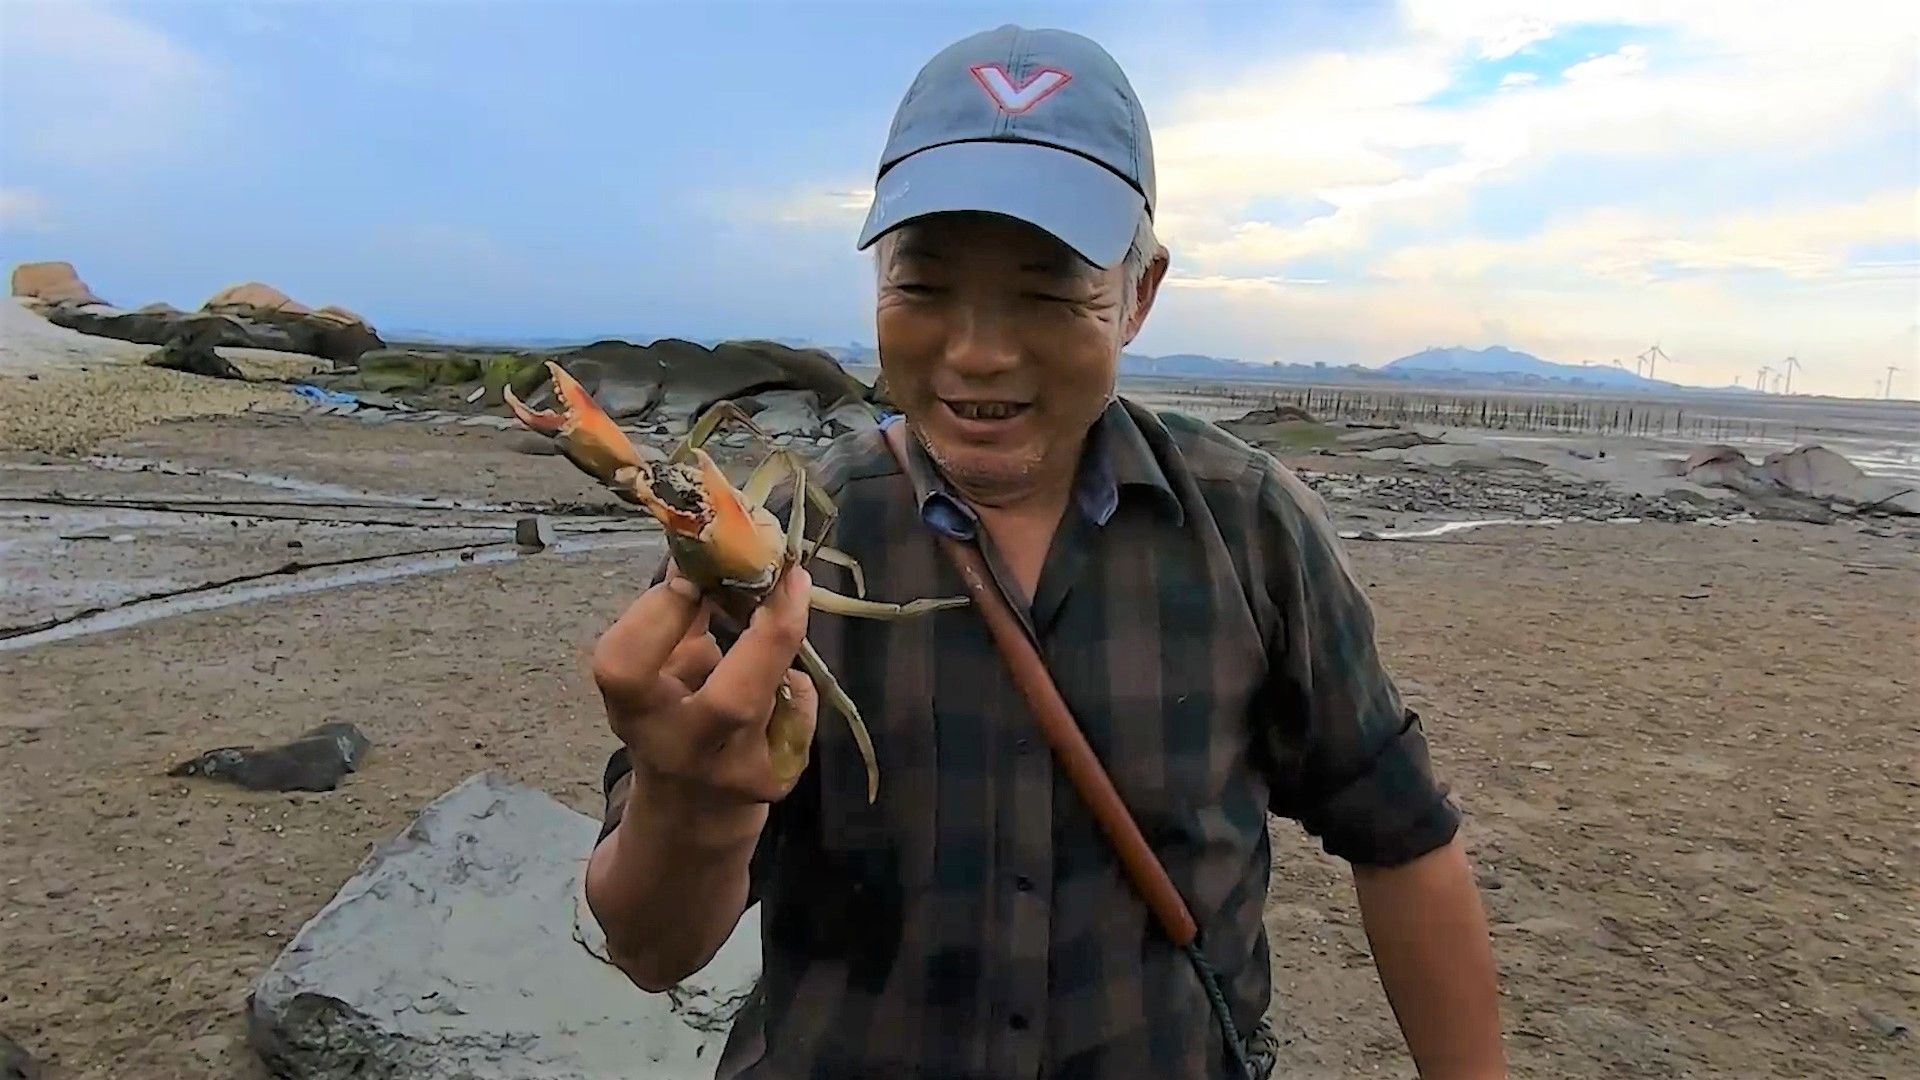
x=1344, y=182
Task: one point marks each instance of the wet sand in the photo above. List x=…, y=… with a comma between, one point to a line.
x=1685, y=751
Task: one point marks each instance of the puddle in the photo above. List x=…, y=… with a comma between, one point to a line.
x=1446, y=527
x=288, y=483
x=316, y=580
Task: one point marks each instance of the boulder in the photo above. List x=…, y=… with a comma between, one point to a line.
x=784, y=412
x=1726, y=467
x=332, y=332
x=160, y=324
x=462, y=948
x=850, y=416
x=253, y=298
x=1363, y=441
x=194, y=352
x=1805, y=473
x=1277, y=414
x=680, y=378
x=1818, y=473
x=49, y=283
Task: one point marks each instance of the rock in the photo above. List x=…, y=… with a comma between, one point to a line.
x=313, y=762
x=534, y=533
x=1277, y=414
x=784, y=412
x=850, y=416
x=1360, y=442
x=462, y=948
x=1793, y=484
x=16, y=1063
x=193, y=352
x=679, y=378
x=387, y=370
x=48, y=283
x=332, y=332
x=159, y=324
x=1816, y=472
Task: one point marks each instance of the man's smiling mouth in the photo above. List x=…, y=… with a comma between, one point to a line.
x=985, y=410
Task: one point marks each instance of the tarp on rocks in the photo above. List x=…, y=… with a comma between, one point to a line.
x=463, y=949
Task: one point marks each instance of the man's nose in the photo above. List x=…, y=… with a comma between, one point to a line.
x=984, y=342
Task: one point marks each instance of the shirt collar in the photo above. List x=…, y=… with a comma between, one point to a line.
x=1116, y=460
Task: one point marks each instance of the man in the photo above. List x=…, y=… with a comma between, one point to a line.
x=1187, y=593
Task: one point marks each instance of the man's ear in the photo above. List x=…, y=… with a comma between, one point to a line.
x=1145, y=292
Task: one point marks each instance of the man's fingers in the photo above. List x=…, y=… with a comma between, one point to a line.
x=741, y=686
x=630, y=654
x=694, y=658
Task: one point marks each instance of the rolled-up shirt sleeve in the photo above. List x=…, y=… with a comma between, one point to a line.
x=1349, y=758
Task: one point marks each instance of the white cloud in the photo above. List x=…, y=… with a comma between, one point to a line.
x=1399, y=181
x=25, y=210
x=87, y=86
x=823, y=206
x=1809, y=244
x=1625, y=61
x=1340, y=126
x=1513, y=37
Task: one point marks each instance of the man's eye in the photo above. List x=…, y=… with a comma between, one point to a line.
x=1052, y=299
x=916, y=288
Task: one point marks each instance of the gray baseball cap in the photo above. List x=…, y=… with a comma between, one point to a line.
x=1039, y=125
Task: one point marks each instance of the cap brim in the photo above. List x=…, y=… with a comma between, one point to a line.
x=1085, y=205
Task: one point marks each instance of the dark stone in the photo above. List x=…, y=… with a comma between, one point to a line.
x=16, y=1063
x=158, y=324
x=313, y=762
x=192, y=351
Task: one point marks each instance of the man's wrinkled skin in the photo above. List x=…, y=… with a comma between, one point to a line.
x=970, y=309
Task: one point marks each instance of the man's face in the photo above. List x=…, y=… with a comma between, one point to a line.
x=1001, y=346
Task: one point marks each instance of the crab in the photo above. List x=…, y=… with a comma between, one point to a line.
x=724, y=539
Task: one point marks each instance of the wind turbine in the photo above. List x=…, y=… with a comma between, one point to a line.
x=1760, y=380
x=1791, y=364
x=1651, y=355
x=1887, y=390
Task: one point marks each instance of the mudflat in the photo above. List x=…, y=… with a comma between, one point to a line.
x=1685, y=751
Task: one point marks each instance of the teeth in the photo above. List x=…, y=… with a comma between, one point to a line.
x=985, y=410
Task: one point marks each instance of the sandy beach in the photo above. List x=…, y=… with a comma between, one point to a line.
x=1684, y=747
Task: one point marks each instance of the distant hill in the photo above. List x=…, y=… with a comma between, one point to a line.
x=1460, y=364
x=1493, y=368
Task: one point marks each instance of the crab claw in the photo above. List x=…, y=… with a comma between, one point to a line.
x=584, y=432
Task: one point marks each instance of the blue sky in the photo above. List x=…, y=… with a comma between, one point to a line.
x=1341, y=182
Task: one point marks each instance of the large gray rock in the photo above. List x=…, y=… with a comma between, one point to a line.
x=1805, y=472
x=1818, y=473
x=463, y=949
x=675, y=378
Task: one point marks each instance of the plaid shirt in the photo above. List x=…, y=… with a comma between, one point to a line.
x=1201, y=621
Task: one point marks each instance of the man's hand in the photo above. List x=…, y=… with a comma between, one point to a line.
x=1431, y=946
x=670, y=881
x=695, y=721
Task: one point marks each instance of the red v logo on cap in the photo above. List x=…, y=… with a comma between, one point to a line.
x=1017, y=99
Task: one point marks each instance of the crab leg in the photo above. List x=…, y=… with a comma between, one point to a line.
x=824, y=599
x=829, y=687
x=832, y=693
x=703, y=429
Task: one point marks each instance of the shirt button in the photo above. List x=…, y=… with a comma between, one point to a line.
x=1023, y=883
x=1023, y=744
x=1017, y=1022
